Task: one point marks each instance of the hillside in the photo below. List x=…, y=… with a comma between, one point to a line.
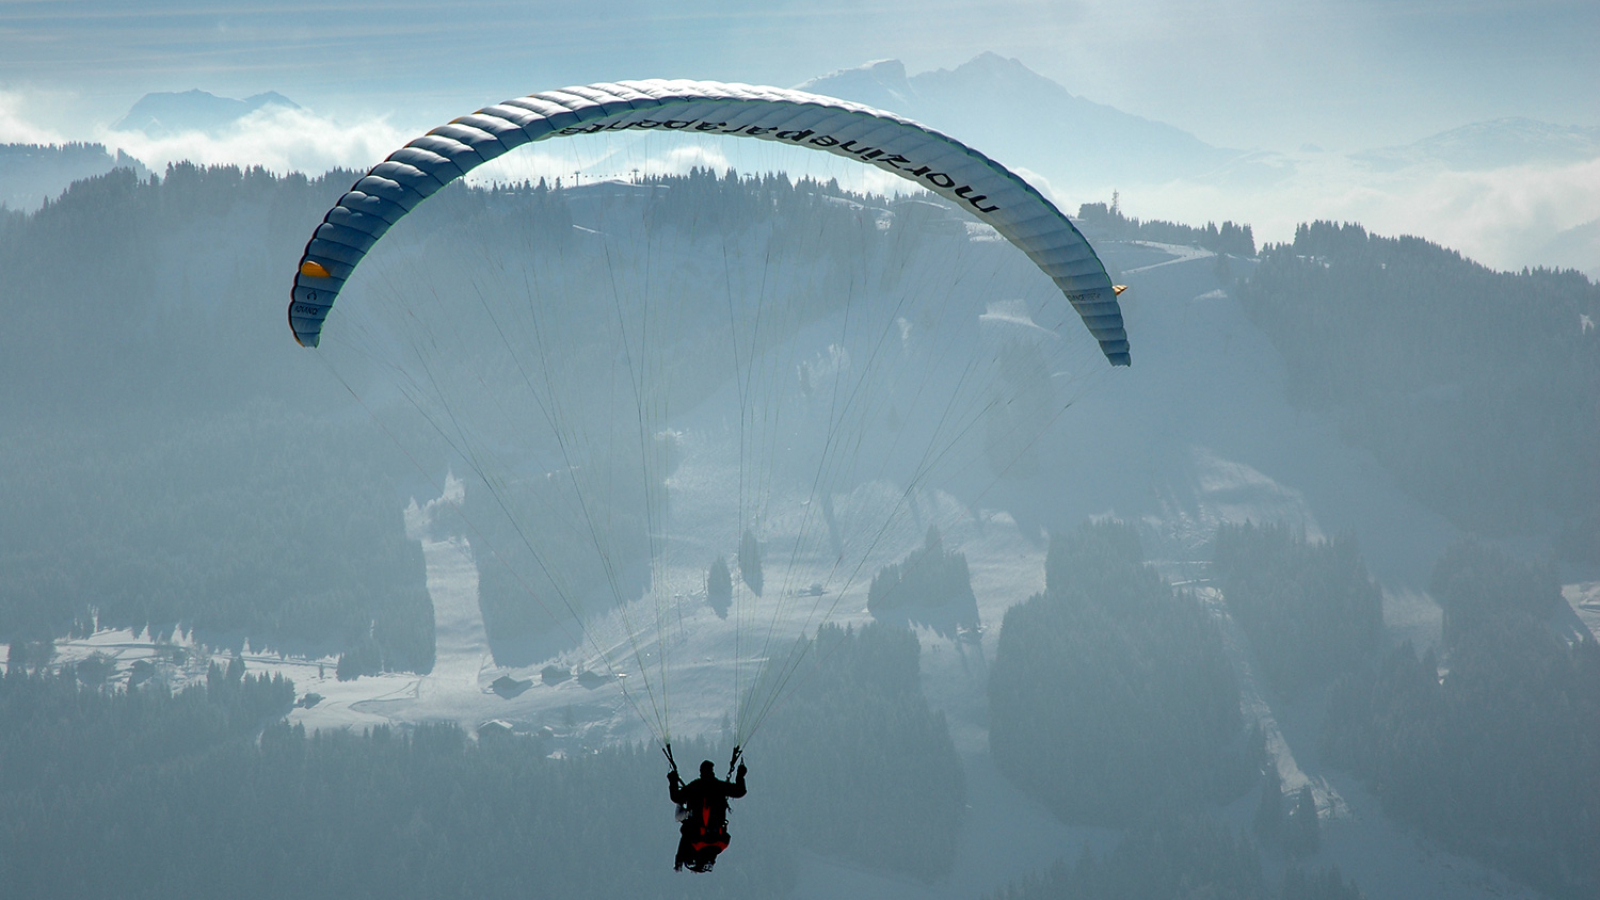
x=1207, y=427
x=31, y=174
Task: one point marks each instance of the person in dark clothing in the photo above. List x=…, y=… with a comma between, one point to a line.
x=703, y=810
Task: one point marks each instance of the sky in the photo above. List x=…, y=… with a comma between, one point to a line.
x=1288, y=77
x=1340, y=74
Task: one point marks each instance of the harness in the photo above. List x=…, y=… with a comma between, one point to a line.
x=703, y=832
x=708, y=834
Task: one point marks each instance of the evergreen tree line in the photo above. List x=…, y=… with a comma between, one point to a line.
x=1110, y=696
x=262, y=528
x=931, y=586
x=1495, y=755
x=32, y=174
x=149, y=793
x=1309, y=608
x=153, y=476
x=1185, y=857
x=1107, y=222
x=68, y=151
x=538, y=566
x=1291, y=827
x=870, y=773
x=1474, y=387
x=930, y=576
x=1476, y=584
x=63, y=741
x=383, y=813
x=156, y=296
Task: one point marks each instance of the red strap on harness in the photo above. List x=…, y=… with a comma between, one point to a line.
x=718, y=840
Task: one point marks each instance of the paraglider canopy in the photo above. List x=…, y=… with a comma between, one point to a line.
x=933, y=161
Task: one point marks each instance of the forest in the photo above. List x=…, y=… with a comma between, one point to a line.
x=1185, y=857
x=1310, y=609
x=1113, y=673
x=181, y=527
x=31, y=174
x=1495, y=753
x=1474, y=387
x=932, y=586
x=1110, y=694
x=1107, y=221
x=145, y=792
x=182, y=467
x=1135, y=722
x=163, y=456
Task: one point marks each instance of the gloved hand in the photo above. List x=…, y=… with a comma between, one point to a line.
x=672, y=778
x=742, y=770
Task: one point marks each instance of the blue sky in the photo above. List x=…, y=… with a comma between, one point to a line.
x=1342, y=74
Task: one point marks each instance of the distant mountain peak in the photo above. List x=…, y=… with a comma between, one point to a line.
x=1514, y=140
x=1024, y=118
x=168, y=113
x=271, y=98
x=881, y=83
x=993, y=69
x=886, y=81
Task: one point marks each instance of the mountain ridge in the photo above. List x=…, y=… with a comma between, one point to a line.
x=168, y=113
x=1494, y=143
x=1026, y=118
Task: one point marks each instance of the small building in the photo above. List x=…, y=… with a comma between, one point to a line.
x=509, y=687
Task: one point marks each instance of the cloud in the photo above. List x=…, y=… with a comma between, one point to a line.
x=18, y=125
x=1502, y=218
x=275, y=138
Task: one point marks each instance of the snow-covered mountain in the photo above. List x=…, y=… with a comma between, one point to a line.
x=1025, y=119
x=169, y=113
x=1494, y=144
x=1037, y=123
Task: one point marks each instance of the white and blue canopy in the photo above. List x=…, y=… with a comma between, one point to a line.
x=941, y=164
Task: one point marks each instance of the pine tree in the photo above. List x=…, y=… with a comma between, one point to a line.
x=1268, y=822
x=719, y=587
x=750, y=561
x=1303, y=835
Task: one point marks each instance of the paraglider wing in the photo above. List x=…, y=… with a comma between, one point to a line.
x=984, y=188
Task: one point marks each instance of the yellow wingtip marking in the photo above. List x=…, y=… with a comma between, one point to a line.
x=1117, y=289
x=314, y=269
